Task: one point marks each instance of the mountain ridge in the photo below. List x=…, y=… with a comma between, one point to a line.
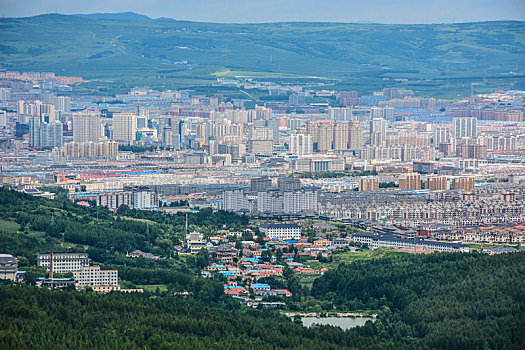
x=357, y=55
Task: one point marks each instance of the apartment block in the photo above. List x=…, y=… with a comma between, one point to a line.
x=63, y=262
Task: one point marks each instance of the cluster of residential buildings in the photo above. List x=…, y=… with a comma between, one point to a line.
x=389, y=157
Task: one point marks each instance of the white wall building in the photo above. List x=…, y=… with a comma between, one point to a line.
x=64, y=262
x=281, y=231
x=93, y=276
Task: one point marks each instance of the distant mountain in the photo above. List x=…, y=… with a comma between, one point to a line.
x=123, y=16
x=362, y=56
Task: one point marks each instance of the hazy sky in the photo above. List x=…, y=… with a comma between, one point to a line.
x=384, y=11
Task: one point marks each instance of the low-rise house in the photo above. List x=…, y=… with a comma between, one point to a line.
x=138, y=253
x=8, y=267
x=194, y=242
x=281, y=231
x=260, y=286
x=225, y=253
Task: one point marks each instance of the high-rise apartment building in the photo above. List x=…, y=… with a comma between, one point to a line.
x=355, y=135
x=436, y=183
x=301, y=144
x=340, y=114
x=325, y=136
x=349, y=98
x=377, y=131
x=465, y=127
x=45, y=135
x=260, y=184
x=341, y=135
x=368, y=184
x=440, y=134
x=124, y=127
x=63, y=104
x=465, y=183
x=3, y=119
x=411, y=181
x=86, y=127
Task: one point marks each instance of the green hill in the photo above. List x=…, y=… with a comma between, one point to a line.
x=191, y=53
x=437, y=301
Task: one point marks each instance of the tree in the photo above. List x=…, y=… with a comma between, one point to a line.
x=202, y=259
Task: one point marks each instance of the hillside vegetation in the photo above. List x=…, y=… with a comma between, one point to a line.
x=437, y=301
x=364, y=56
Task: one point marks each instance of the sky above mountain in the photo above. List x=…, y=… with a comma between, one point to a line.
x=382, y=11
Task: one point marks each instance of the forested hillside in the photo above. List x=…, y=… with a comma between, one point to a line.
x=445, y=301
x=437, y=301
x=29, y=225
x=181, y=53
x=37, y=319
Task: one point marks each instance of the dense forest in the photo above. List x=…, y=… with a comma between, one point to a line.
x=33, y=318
x=445, y=301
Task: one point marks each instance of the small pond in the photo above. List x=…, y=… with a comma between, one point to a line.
x=343, y=322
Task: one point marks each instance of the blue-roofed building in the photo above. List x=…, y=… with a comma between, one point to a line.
x=261, y=286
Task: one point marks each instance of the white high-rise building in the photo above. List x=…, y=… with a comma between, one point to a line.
x=63, y=262
x=86, y=127
x=377, y=131
x=92, y=276
x=301, y=144
x=45, y=135
x=465, y=127
x=300, y=201
x=341, y=130
x=124, y=127
x=440, y=134
x=234, y=201
x=355, y=135
x=376, y=112
x=388, y=113
x=3, y=119
x=341, y=114
x=63, y=104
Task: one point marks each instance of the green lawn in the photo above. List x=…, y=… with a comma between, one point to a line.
x=366, y=255
x=9, y=226
x=153, y=287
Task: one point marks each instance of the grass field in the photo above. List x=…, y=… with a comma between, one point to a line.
x=153, y=287
x=366, y=254
x=9, y=226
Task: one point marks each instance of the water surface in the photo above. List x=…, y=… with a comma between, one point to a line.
x=343, y=322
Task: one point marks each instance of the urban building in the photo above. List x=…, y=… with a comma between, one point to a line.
x=45, y=135
x=281, y=231
x=465, y=183
x=63, y=262
x=86, y=127
x=124, y=127
x=436, y=183
x=411, y=181
x=8, y=267
x=368, y=184
x=301, y=144
x=464, y=127
x=93, y=276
